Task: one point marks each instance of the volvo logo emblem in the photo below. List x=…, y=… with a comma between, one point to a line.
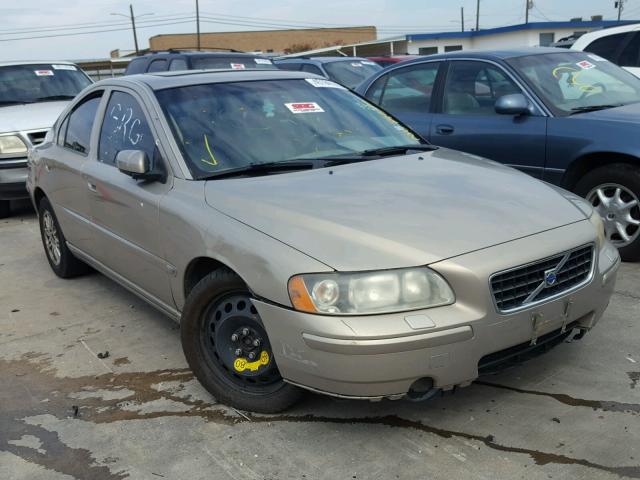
x=550, y=278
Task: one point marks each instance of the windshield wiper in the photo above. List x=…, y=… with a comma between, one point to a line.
x=52, y=98
x=263, y=168
x=374, y=153
x=593, y=108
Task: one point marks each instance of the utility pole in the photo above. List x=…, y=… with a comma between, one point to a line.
x=133, y=26
x=462, y=18
x=198, y=23
x=619, y=5
x=477, y=15
x=528, y=6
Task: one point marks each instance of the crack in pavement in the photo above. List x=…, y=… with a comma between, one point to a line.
x=137, y=391
x=604, y=405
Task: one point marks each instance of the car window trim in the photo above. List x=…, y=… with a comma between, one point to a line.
x=74, y=107
x=540, y=106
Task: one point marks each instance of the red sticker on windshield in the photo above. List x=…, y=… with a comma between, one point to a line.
x=238, y=66
x=44, y=73
x=304, y=107
x=585, y=65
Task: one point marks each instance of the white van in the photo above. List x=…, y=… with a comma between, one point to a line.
x=32, y=96
x=620, y=45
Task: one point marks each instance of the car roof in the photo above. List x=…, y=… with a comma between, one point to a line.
x=321, y=59
x=589, y=37
x=36, y=62
x=490, y=54
x=198, y=54
x=164, y=80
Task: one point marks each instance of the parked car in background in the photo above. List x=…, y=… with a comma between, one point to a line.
x=304, y=238
x=385, y=61
x=570, y=118
x=174, y=60
x=347, y=71
x=620, y=45
x=32, y=95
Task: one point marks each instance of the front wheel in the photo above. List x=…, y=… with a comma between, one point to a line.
x=614, y=191
x=227, y=347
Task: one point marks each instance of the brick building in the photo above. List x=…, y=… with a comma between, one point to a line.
x=277, y=41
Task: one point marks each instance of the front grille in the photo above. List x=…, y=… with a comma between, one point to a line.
x=36, y=138
x=526, y=285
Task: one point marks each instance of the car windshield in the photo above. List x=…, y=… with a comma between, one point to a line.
x=237, y=63
x=40, y=83
x=351, y=73
x=224, y=126
x=573, y=82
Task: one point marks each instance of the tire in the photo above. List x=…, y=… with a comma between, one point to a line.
x=5, y=208
x=619, y=185
x=63, y=263
x=218, y=308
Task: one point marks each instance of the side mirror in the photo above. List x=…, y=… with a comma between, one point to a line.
x=514, y=104
x=136, y=164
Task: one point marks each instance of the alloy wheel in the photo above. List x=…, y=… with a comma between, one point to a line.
x=619, y=208
x=51, y=238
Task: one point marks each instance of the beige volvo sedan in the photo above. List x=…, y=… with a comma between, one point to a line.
x=306, y=239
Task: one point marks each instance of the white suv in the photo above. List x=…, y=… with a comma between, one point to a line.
x=32, y=96
x=620, y=45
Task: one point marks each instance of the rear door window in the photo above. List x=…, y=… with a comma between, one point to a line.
x=80, y=123
x=159, y=65
x=178, y=64
x=409, y=89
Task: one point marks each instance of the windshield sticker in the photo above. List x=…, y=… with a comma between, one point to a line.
x=43, y=73
x=262, y=61
x=367, y=62
x=596, y=58
x=356, y=64
x=585, y=65
x=238, y=66
x=64, y=67
x=304, y=107
x=322, y=83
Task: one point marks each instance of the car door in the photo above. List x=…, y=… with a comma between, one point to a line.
x=467, y=120
x=407, y=93
x=125, y=211
x=64, y=162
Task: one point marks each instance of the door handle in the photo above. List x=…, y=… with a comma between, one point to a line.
x=92, y=187
x=445, y=129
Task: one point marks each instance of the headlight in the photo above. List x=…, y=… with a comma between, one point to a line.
x=598, y=224
x=12, y=144
x=369, y=292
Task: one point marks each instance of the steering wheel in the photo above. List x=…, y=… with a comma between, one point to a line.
x=590, y=90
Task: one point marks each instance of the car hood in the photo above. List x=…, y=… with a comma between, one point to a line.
x=628, y=114
x=395, y=212
x=30, y=116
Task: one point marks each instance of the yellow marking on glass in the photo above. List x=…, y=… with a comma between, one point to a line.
x=213, y=160
x=241, y=364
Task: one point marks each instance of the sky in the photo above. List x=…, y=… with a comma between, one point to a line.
x=87, y=29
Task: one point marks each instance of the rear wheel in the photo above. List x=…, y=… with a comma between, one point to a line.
x=614, y=191
x=227, y=347
x=62, y=261
x=5, y=208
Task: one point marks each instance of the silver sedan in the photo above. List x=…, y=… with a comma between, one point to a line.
x=306, y=239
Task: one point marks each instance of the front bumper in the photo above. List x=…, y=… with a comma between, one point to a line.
x=13, y=183
x=380, y=356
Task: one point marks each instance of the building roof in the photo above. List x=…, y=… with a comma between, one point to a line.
x=520, y=27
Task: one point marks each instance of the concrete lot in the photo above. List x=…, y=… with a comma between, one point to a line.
x=139, y=414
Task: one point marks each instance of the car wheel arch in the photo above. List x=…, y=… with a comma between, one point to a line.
x=38, y=195
x=198, y=268
x=590, y=161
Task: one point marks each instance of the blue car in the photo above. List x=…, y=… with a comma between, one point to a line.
x=347, y=71
x=569, y=118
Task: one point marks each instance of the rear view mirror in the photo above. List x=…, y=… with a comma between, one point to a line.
x=136, y=164
x=513, y=104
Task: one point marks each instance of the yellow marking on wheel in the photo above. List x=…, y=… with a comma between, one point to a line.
x=242, y=364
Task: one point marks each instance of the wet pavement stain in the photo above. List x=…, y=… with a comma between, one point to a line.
x=635, y=378
x=604, y=405
x=30, y=388
x=121, y=361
